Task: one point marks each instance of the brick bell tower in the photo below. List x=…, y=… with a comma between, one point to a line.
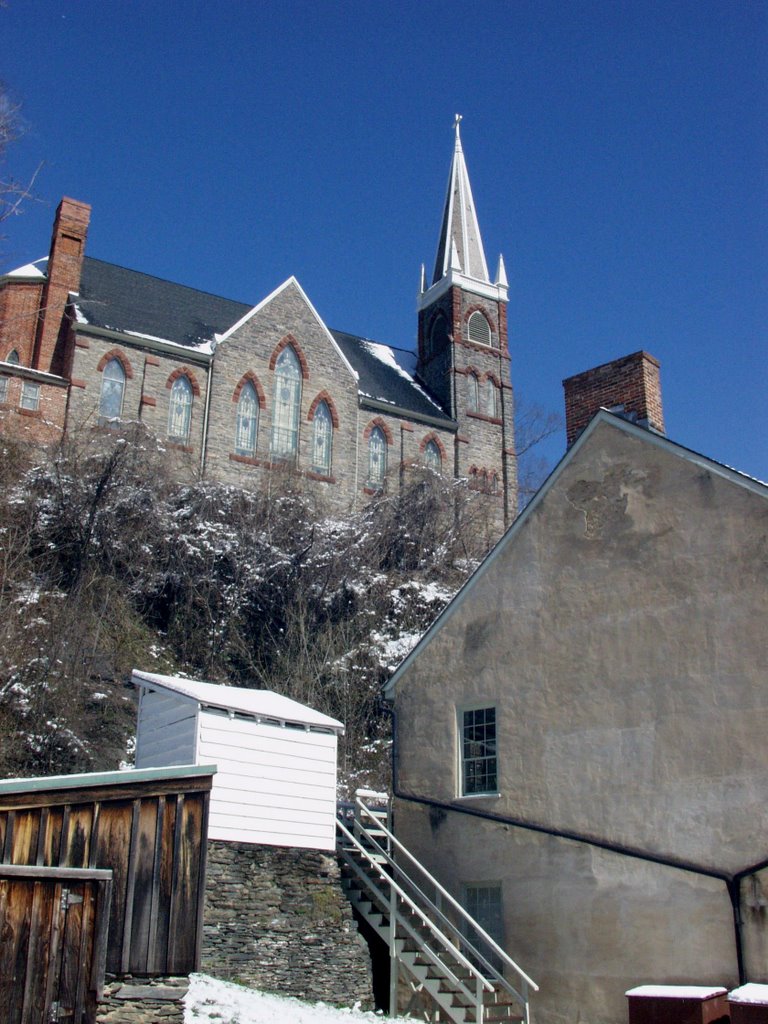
x=463, y=354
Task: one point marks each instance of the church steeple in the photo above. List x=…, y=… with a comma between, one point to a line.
x=460, y=231
x=462, y=345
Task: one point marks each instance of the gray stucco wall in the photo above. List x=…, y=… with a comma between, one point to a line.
x=620, y=633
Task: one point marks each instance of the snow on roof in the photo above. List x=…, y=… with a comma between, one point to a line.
x=750, y=993
x=37, y=270
x=677, y=991
x=259, y=703
x=387, y=356
x=87, y=779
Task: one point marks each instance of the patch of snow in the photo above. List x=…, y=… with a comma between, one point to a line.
x=210, y=1001
x=37, y=269
x=676, y=991
x=201, y=346
x=386, y=355
x=750, y=993
x=80, y=316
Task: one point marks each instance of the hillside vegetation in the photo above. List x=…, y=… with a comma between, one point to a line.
x=107, y=564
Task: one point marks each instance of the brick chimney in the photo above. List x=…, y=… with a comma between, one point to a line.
x=65, y=262
x=629, y=386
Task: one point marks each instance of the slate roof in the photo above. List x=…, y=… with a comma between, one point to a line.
x=384, y=382
x=130, y=302
x=135, y=303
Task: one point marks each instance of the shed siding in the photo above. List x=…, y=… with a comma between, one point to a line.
x=167, y=730
x=275, y=785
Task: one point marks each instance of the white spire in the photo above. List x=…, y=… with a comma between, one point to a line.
x=501, y=274
x=459, y=228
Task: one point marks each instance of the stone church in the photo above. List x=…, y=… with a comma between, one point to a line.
x=239, y=391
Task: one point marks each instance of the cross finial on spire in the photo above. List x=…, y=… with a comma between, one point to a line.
x=457, y=119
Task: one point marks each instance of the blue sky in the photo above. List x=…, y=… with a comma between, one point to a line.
x=617, y=152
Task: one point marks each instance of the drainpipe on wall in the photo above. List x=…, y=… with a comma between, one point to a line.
x=206, y=413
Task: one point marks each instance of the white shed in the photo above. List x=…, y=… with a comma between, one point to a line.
x=276, y=758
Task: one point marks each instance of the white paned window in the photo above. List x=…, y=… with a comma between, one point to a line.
x=479, y=329
x=432, y=457
x=472, y=393
x=377, y=457
x=247, y=424
x=322, y=440
x=491, y=399
x=3, y=389
x=477, y=751
x=30, y=396
x=112, y=392
x=484, y=902
x=286, y=406
x=180, y=411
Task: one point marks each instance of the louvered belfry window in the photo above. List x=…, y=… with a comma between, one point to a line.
x=286, y=407
x=479, y=329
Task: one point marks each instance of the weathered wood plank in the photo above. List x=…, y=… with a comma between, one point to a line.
x=174, y=918
x=130, y=888
x=42, y=951
x=15, y=916
x=72, y=935
x=188, y=861
x=143, y=872
x=25, y=831
x=112, y=846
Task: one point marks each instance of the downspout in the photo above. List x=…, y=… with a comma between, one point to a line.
x=731, y=881
x=206, y=414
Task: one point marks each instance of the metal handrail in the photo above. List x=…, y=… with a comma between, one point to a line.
x=444, y=893
x=446, y=942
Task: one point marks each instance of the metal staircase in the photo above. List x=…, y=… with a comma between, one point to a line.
x=435, y=947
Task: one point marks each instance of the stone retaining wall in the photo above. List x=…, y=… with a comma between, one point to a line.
x=132, y=1000
x=277, y=918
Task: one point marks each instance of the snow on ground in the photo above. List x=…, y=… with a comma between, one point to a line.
x=221, y=1002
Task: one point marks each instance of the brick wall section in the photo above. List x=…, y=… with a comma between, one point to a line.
x=19, y=307
x=44, y=425
x=631, y=383
x=249, y=351
x=277, y=919
x=65, y=263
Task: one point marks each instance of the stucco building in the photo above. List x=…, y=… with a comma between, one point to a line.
x=240, y=390
x=580, y=736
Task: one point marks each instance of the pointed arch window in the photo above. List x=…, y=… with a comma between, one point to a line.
x=432, y=457
x=479, y=329
x=491, y=398
x=438, y=336
x=473, y=400
x=13, y=358
x=112, y=392
x=286, y=406
x=322, y=440
x=180, y=410
x=247, y=421
x=377, y=457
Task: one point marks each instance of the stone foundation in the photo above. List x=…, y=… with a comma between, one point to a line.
x=277, y=919
x=130, y=1000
